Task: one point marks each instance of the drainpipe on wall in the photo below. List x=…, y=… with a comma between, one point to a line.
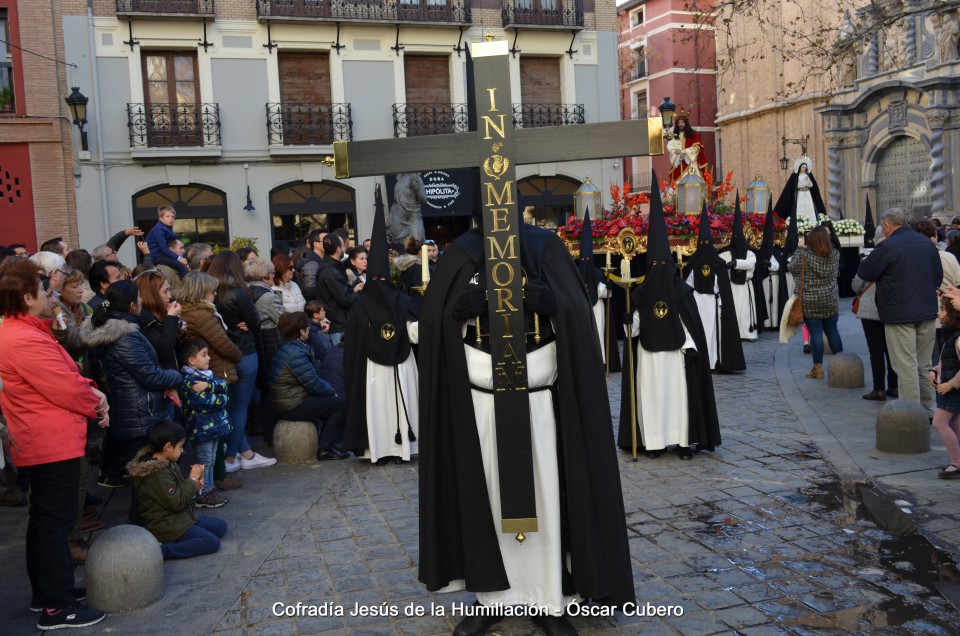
x=101, y=164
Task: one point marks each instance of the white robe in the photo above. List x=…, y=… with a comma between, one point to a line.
x=771, y=292
x=805, y=207
x=743, y=295
x=709, y=307
x=386, y=407
x=599, y=313
x=663, y=416
x=534, y=567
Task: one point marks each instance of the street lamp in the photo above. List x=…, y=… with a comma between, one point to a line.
x=77, y=102
x=802, y=142
x=758, y=193
x=587, y=197
x=667, y=110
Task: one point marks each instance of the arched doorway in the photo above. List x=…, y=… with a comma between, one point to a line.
x=548, y=200
x=903, y=177
x=298, y=208
x=201, y=212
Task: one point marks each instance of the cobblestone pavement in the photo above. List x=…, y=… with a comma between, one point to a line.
x=760, y=537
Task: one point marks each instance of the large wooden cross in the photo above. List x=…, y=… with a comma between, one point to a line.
x=495, y=148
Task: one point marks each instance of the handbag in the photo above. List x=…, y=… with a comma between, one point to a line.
x=856, y=301
x=795, y=318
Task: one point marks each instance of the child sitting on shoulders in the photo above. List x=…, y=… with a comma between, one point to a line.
x=204, y=398
x=166, y=497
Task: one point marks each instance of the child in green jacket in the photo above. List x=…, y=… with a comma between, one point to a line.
x=166, y=498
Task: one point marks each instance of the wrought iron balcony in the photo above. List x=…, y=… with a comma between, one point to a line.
x=167, y=125
x=416, y=11
x=166, y=7
x=542, y=115
x=294, y=124
x=414, y=120
x=638, y=72
x=566, y=14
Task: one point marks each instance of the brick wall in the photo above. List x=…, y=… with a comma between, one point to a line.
x=46, y=129
x=540, y=79
x=427, y=79
x=304, y=77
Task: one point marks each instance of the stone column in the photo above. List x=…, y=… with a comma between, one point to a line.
x=834, y=177
x=870, y=62
x=938, y=175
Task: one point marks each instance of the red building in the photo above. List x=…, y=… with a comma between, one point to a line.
x=667, y=50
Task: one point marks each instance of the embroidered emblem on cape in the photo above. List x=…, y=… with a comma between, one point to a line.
x=705, y=271
x=388, y=331
x=660, y=309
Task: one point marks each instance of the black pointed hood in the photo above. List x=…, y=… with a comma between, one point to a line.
x=793, y=236
x=703, y=262
x=387, y=308
x=656, y=298
x=766, y=247
x=378, y=260
x=869, y=229
x=738, y=242
x=588, y=270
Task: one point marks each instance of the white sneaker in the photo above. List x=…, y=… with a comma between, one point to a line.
x=233, y=466
x=257, y=461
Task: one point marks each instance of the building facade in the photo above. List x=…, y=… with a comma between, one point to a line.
x=225, y=109
x=37, y=169
x=883, y=123
x=666, y=49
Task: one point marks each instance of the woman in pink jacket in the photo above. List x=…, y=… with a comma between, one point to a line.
x=47, y=403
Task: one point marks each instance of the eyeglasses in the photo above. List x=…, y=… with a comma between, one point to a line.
x=62, y=273
x=429, y=242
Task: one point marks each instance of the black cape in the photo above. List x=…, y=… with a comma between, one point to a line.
x=786, y=204
x=701, y=402
x=730, y=350
x=458, y=535
x=362, y=341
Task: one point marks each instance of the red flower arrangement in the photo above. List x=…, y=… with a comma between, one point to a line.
x=625, y=212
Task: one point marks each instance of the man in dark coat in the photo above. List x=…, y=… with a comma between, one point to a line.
x=907, y=270
x=461, y=546
x=672, y=368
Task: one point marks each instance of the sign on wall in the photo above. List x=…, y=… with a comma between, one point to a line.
x=449, y=192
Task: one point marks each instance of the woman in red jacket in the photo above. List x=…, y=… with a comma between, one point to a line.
x=47, y=404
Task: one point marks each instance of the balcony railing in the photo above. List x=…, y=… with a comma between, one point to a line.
x=638, y=72
x=165, y=7
x=440, y=11
x=294, y=124
x=567, y=14
x=414, y=120
x=542, y=115
x=166, y=125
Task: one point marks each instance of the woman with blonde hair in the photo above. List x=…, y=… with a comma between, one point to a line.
x=815, y=268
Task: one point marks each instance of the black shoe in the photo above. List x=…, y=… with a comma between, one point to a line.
x=475, y=625
x=806, y=348
x=684, y=452
x=92, y=500
x=79, y=595
x=325, y=454
x=654, y=454
x=555, y=625
x=876, y=396
x=113, y=482
x=894, y=393
x=73, y=616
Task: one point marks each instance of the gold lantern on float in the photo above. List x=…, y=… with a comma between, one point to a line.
x=758, y=194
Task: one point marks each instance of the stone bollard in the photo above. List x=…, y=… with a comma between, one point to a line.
x=845, y=371
x=124, y=570
x=903, y=427
x=295, y=442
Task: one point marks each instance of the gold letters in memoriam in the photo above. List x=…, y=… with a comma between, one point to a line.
x=501, y=242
